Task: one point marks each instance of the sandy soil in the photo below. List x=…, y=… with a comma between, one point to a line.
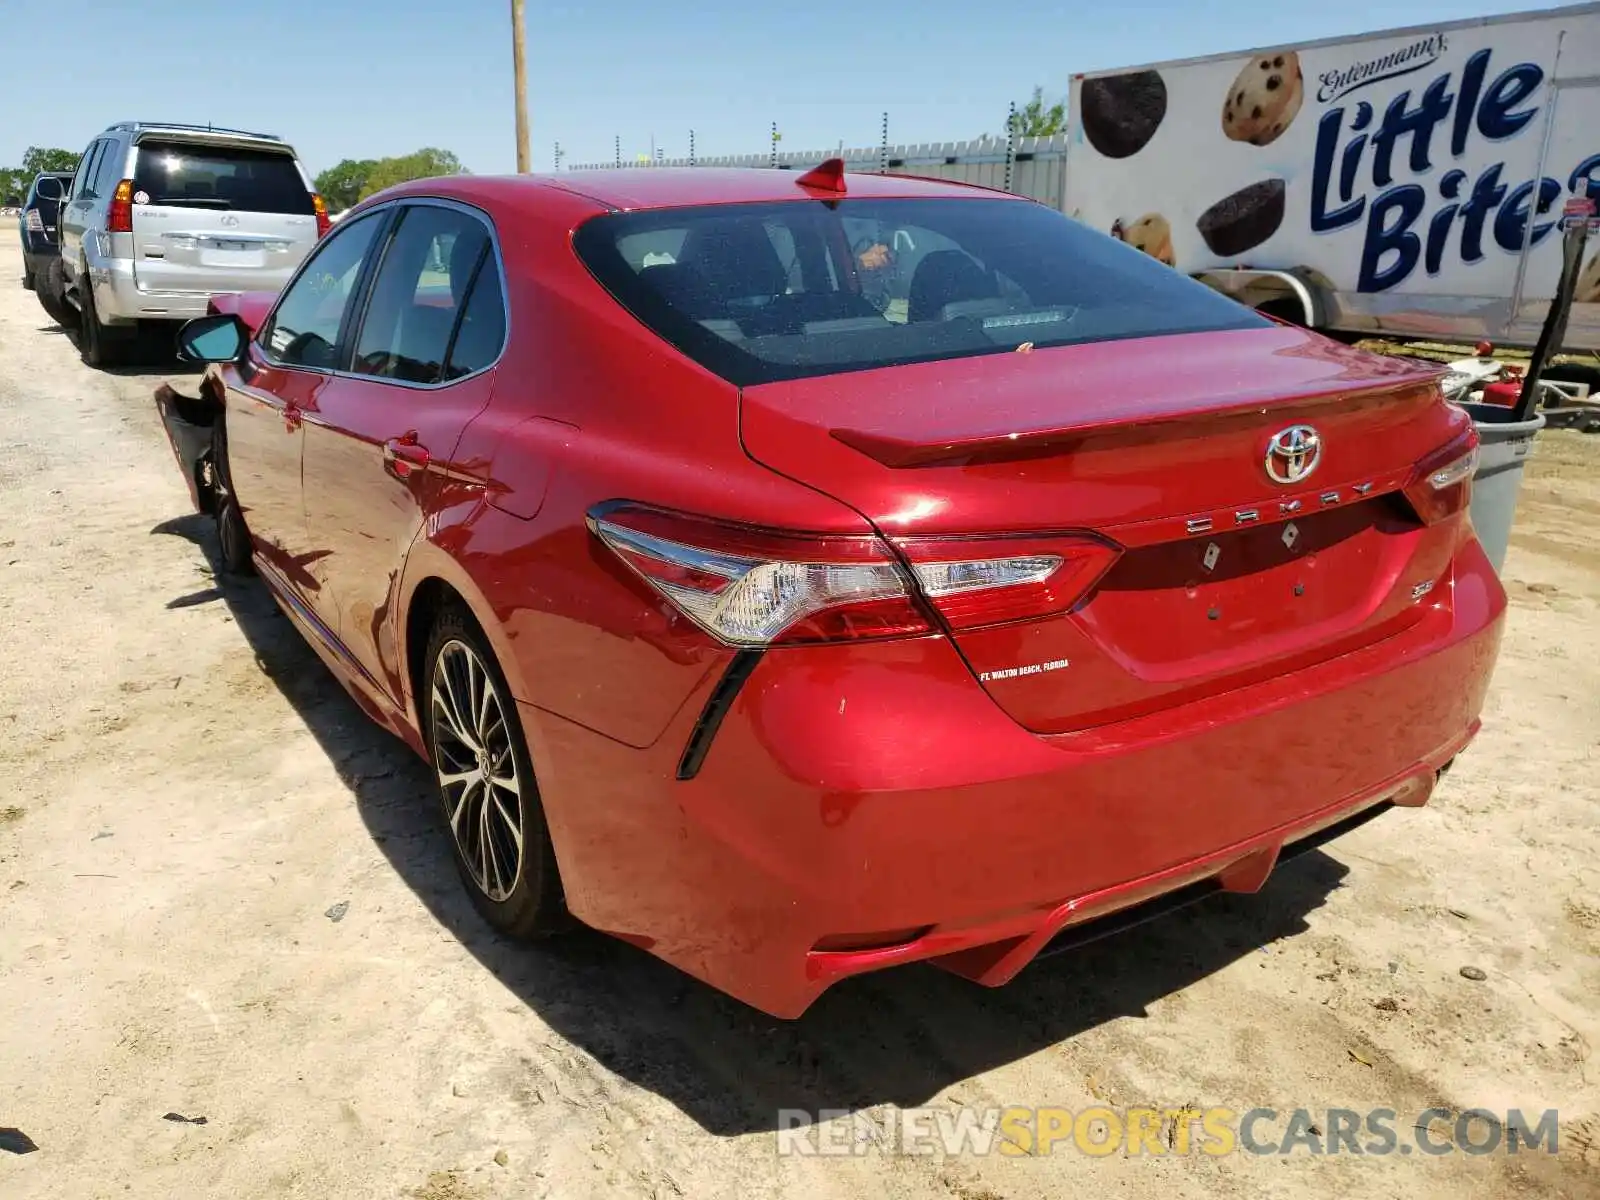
x=188, y=794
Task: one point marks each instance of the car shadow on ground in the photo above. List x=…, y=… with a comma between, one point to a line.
x=900, y=1037
x=150, y=355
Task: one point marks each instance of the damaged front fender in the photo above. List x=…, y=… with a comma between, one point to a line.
x=191, y=423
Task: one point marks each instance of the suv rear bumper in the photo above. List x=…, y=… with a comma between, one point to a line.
x=118, y=299
x=872, y=799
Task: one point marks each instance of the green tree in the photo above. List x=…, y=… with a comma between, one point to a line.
x=1036, y=119
x=38, y=159
x=13, y=185
x=420, y=164
x=342, y=184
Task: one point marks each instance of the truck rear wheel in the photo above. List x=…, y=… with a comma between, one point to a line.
x=101, y=346
x=50, y=285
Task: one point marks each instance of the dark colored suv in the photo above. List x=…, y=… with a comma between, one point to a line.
x=41, y=237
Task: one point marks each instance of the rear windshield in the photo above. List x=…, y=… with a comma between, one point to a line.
x=764, y=292
x=218, y=177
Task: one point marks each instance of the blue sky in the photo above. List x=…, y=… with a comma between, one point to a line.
x=366, y=78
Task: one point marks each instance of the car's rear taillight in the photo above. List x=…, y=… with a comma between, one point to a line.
x=758, y=587
x=320, y=207
x=1442, y=483
x=34, y=221
x=1015, y=579
x=755, y=587
x=119, y=218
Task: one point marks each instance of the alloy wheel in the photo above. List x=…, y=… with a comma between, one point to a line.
x=477, y=770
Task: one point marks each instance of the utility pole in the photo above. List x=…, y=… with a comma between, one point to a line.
x=519, y=61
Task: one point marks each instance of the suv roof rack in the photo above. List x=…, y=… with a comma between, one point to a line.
x=140, y=126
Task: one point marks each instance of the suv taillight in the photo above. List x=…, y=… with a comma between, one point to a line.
x=753, y=587
x=119, y=219
x=320, y=207
x=1442, y=483
x=34, y=221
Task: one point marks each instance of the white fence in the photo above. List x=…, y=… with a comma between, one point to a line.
x=1037, y=167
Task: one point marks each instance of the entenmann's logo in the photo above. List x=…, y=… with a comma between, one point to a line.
x=1419, y=54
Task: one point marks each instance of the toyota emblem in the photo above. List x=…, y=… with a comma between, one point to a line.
x=230, y=221
x=1293, y=453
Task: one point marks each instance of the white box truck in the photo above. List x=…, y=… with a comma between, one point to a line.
x=1408, y=184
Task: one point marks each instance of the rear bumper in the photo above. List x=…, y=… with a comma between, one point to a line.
x=119, y=297
x=874, y=796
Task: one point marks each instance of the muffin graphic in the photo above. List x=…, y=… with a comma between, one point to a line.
x=1150, y=233
x=1243, y=220
x=1589, y=283
x=1264, y=98
x=1121, y=113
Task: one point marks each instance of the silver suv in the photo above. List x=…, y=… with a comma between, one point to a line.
x=162, y=217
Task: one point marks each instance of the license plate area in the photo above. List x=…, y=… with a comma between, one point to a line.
x=1256, y=590
x=231, y=254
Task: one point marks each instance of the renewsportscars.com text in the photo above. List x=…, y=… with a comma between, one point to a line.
x=1099, y=1131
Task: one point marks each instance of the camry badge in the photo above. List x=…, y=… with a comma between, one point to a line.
x=1293, y=453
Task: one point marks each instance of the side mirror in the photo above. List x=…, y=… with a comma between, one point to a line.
x=48, y=188
x=217, y=339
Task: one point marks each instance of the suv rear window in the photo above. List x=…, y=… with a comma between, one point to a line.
x=765, y=292
x=186, y=175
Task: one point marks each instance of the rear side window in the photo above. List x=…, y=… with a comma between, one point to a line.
x=185, y=175
x=108, y=170
x=425, y=301
x=483, y=324
x=765, y=292
x=86, y=170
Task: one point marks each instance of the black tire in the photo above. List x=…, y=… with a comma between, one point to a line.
x=27, y=277
x=233, y=535
x=533, y=905
x=100, y=346
x=1287, y=309
x=158, y=342
x=50, y=285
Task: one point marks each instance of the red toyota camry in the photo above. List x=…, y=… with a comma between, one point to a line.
x=802, y=575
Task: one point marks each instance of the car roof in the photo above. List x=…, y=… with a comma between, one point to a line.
x=677, y=187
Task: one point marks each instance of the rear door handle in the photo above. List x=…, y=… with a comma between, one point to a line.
x=403, y=457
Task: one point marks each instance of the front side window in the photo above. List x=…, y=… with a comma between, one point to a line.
x=765, y=292
x=304, y=331
x=423, y=299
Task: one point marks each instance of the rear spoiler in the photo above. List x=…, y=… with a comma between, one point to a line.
x=993, y=446
x=201, y=137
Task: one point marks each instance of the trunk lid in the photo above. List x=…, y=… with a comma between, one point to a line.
x=1160, y=445
x=211, y=217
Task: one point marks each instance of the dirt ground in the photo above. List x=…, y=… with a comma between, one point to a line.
x=189, y=796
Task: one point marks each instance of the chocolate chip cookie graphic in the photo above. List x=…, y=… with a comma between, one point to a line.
x=1589, y=283
x=1121, y=113
x=1264, y=99
x=1243, y=220
x=1152, y=234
